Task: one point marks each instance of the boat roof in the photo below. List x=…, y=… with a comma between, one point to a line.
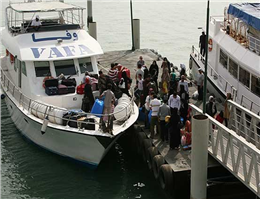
x=247, y=12
x=43, y=7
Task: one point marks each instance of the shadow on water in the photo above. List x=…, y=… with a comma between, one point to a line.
x=31, y=172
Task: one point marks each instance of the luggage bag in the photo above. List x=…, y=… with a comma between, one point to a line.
x=62, y=89
x=51, y=83
x=71, y=89
x=52, y=90
x=69, y=82
x=88, y=126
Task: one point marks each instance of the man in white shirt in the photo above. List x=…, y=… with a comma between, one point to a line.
x=155, y=105
x=184, y=83
x=174, y=101
x=36, y=23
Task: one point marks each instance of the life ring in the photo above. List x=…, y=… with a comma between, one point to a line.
x=210, y=45
x=152, y=151
x=146, y=145
x=158, y=161
x=166, y=178
x=43, y=82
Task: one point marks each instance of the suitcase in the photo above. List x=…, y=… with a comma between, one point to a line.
x=69, y=82
x=51, y=90
x=62, y=89
x=51, y=83
x=70, y=117
x=80, y=89
x=71, y=89
x=88, y=126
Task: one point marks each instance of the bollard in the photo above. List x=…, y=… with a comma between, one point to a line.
x=90, y=15
x=136, y=24
x=199, y=156
x=93, y=30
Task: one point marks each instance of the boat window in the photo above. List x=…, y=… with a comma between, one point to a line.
x=85, y=65
x=223, y=58
x=244, y=77
x=24, y=68
x=233, y=68
x=255, y=85
x=66, y=67
x=42, y=68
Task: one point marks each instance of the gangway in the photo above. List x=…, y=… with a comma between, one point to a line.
x=235, y=150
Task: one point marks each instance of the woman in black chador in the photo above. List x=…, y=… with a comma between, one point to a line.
x=175, y=138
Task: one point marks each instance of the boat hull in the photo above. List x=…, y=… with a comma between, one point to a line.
x=87, y=149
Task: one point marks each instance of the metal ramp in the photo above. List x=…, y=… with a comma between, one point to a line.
x=237, y=149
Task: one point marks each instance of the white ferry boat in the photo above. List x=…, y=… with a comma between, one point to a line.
x=60, y=45
x=234, y=55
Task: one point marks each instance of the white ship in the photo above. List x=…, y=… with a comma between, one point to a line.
x=234, y=55
x=60, y=45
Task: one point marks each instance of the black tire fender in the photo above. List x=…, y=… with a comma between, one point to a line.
x=166, y=178
x=158, y=161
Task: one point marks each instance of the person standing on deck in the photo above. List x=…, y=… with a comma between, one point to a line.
x=174, y=130
x=164, y=111
x=202, y=44
x=139, y=71
x=165, y=78
x=140, y=61
x=108, y=101
x=227, y=109
x=88, y=95
x=200, y=83
x=147, y=108
x=184, y=83
x=102, y=82
x=154, y=105
x=174, y=101
x=211, y=108
x=113, y=73
x=154, y=72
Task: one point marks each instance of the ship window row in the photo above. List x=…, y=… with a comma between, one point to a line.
x=249, y=80
x=65, y=67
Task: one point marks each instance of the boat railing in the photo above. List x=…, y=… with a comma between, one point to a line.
x=29, y=104
x=234, y=152
x=238, y=31
x=245, y=123
x=246, y=102
x=253, y=44
x=222, y=82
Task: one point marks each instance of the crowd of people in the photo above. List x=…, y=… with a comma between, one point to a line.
x=164, y=103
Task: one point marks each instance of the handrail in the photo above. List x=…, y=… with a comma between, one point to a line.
x=236, y=154
x=216, y=75
x=21, y=99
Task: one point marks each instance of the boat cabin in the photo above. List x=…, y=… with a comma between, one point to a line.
x=59, y=46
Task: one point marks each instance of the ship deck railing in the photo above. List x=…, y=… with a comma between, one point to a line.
x=226, y=86
x=238, y=31
x=233, y=151
x=28, y=104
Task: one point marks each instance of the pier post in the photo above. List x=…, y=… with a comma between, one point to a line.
x=93, y=29
x=90, y=17
x=136, y=24
x=199, y=156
